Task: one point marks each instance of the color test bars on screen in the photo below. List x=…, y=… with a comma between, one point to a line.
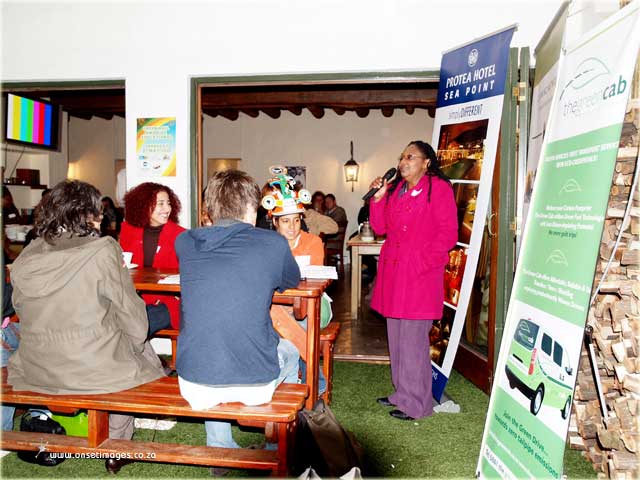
x=29, y=120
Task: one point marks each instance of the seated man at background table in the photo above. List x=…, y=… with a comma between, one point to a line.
x=331, y=209
x=228, y=350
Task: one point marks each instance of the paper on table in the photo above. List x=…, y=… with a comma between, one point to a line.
x=170, y=279
x=319, y=271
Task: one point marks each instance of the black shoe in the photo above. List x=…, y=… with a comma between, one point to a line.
x=400, y=415
x=113, y=465
x=384, y=401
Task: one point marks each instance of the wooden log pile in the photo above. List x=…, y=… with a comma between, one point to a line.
x=612, y=444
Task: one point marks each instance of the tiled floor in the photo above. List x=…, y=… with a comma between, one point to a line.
x=361, y=339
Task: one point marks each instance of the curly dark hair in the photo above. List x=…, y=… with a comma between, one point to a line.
x=69, y=207
x=140, y=201
x=432, y=170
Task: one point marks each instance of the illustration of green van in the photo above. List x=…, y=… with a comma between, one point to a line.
x=538, y=366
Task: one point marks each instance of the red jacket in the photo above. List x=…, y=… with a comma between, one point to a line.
x=409, y=284
x=165, y=257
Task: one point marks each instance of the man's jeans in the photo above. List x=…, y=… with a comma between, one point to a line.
x=10, y=341
x=219, y=433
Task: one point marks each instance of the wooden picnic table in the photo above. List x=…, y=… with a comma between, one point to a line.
x=305, y=299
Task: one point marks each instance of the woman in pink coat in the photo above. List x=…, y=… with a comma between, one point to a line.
x=417, y=212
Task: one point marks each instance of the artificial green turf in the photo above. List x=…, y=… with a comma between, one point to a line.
x=442, y=446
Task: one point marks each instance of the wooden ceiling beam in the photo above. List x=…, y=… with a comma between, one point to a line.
x=252, y=112
x=105, y=116
x=317, y=112
x=272, y=112
x=297, y=111
x=83, y=116
x=339, y=110
x=229, y=113
x=114, y=102
x=362, y=112
x=347, y=99
x=387, y=111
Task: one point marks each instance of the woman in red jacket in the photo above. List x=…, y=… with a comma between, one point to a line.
x=149, y=232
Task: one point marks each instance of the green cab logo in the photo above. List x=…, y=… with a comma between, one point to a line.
x=592, y=83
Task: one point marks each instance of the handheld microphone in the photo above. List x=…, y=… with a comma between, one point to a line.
x=387, y=176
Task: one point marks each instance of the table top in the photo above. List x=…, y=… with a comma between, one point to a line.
x=357, y=241
x=146, y=279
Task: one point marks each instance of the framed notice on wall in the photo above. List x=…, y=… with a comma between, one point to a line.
x=156, y=147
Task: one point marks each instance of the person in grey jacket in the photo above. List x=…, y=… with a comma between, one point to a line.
x=83, y=327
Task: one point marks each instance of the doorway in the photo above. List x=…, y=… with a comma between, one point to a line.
x=321, y=97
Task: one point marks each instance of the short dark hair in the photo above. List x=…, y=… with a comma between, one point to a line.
x=109, y=200
x=69, y=207
x=331, y=196
x=229, y=193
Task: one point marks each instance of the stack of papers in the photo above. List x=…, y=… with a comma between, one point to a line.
x=171, y=279
x=315, y=271
x=319, y=271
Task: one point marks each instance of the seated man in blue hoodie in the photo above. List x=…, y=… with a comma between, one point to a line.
x=228, y=350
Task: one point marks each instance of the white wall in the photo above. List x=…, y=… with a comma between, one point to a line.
x=156, y=47
x=94, y=145
x=322, y=145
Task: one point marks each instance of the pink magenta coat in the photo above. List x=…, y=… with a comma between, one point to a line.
x=410, y=280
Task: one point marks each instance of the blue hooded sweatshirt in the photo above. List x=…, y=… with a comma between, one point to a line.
x=228, y=274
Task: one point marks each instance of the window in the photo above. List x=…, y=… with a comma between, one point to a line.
x=546, y=344
x=557, y=354
x=526, y=333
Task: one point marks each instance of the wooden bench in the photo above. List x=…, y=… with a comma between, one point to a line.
x=293, y=332
x=162, y=397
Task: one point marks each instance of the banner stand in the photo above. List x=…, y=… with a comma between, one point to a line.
x=588, y=340
x=446, y=405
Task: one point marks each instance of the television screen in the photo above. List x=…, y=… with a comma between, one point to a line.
x=32, y=123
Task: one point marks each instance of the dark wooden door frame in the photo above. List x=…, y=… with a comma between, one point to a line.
x=197, y=84
x=477, y=367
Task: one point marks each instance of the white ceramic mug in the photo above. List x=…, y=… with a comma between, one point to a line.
x=127, y=256
x=11, y=231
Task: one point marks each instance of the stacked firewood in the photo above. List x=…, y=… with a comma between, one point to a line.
x=612, y=443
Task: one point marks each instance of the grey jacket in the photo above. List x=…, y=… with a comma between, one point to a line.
x=83, y=327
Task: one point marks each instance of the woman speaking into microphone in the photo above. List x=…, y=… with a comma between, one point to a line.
x=417, y=213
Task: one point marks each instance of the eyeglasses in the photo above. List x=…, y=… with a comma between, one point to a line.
x=410, y=156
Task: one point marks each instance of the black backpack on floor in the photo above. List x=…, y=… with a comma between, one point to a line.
x=29, y=423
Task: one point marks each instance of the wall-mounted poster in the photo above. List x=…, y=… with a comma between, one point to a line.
x=299, y=174
x=156, y=147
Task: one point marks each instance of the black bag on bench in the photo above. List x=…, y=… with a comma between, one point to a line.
x=29, y=423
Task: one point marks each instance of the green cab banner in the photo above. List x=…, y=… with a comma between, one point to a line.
x=528, y=417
